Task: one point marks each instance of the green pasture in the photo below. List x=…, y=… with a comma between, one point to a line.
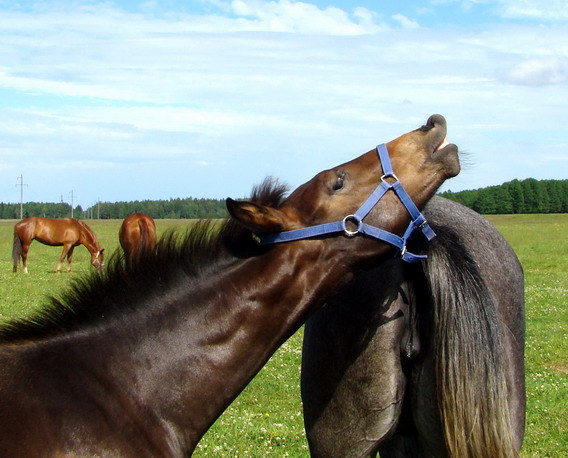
x=266, y=419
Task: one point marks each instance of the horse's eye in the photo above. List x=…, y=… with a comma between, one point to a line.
x=339, y=181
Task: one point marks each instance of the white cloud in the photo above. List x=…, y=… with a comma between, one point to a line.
x=102, y=85
x=238, y=16
x=299, y=17
x=547, y=10
x=552, y=10
x=405, y=22
x=560, y=157
x=366, y=18
x=540, y=72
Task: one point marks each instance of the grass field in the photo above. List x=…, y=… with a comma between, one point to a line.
x=266, y=419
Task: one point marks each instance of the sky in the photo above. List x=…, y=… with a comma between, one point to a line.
x=130, y=100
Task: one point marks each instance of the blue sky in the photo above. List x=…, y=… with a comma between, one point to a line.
x=129, y=100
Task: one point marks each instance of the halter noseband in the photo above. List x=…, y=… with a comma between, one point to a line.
x=417, y=219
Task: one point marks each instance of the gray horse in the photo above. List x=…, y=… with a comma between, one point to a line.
x=422, y=359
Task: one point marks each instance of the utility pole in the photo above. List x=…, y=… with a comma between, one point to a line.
x=21, y=185
x=71, y=203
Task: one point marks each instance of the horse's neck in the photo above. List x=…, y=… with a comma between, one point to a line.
x=192, y=360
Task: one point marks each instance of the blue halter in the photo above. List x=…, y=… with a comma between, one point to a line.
x=418, y=221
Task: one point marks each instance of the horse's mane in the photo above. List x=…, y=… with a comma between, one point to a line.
x=125, y=287
x=89, y=232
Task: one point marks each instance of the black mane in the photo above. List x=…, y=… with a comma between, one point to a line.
x=124, y=287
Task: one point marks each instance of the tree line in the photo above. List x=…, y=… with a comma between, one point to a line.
x=526, y=196
x=188, y=208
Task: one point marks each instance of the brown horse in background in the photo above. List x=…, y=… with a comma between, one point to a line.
x=66, y=232
x=137, y=233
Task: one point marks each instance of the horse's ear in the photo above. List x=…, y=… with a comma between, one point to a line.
x=102, y=251
x=258, y=218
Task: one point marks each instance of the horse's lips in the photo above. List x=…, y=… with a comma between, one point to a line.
x=447, y=154
x=443, y=144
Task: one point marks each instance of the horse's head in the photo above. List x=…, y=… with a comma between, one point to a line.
x=421, y=159
x=98, y=259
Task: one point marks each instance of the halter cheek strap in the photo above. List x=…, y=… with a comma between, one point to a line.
x=356, y=219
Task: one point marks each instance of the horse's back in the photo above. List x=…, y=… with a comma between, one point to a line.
x=38, y=225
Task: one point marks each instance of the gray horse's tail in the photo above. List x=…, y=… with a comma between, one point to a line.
x=16, y=250
x=471, y=385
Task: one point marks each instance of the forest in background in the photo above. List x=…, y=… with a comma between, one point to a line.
x=526, y=196
x=188, y=208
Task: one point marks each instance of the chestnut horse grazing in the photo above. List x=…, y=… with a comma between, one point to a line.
x=137, y=232
x=66, y=232
x=140, y=360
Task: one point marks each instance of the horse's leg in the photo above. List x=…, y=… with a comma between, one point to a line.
x=403, y=446
x=66, y=249
x=69, y=258
x=25, y=248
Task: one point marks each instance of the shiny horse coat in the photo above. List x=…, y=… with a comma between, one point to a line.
x=137, y=233
x=422, y=360
x=141, y=358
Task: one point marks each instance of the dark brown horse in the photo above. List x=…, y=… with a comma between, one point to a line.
x=422, y=360
x=140, y=360
x=66, y=232
x=137, y=233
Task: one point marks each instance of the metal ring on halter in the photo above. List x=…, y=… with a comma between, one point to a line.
x=389, y=175
x=355, y=219
x=403, y=251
